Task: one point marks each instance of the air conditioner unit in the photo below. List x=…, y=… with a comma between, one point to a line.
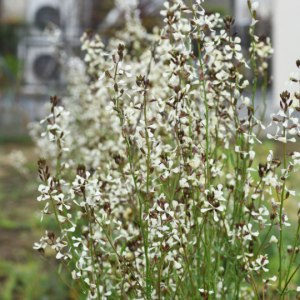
x=40, y=12
x=63, y=13
x=41, y=66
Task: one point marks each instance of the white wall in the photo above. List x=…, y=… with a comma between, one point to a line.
x=286, y=39
x=14, y=10
x=242, y=14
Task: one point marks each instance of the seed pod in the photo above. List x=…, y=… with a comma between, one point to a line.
x=116, y=87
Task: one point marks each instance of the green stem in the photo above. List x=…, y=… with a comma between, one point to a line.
x=293, y=254
x=280, y=217
x=148, y=277
x=72, y=289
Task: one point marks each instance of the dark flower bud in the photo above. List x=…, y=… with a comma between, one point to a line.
x=41, y=162
x=51, y=235
x=290, y=250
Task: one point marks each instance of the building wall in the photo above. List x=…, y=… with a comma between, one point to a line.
x=286, y=24
x=14, y=11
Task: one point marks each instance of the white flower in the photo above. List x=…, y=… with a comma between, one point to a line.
x=273, y=239
x=61, y=202
x=282, y=139
x=51, y=130
x=213, y=208
x=183, y=183
x=222, y=76
x=260, y=263
x=259, y=122
x=251, y=155
x=245, y=100
x=149, y=127
x=205, y=291
x=59, y=110
x=127, y=68
x=105, y=72
x=177, y=265
x=262, y=211
x=45, y=211
x=252, y=137
x=247, y=229
x=44, y=190
x=288, y=117
x=79, y=242
x=84, y=181
x=169, y=169
x=254, y=5
x=195, y=162
x=59, y=244
x=65, y=231
x=46, y=118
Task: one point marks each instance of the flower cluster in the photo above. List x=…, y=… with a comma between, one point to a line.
x=148, y=165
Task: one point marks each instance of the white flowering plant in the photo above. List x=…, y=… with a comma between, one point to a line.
x=147, y=165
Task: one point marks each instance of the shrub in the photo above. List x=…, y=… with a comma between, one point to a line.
x=166, y=202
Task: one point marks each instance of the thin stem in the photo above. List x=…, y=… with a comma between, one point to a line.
x=280, y=217
x=72, y=289
x=148, y=277
x=293, y=254
x=92, y=255
x=290, y=280
x=248, y=268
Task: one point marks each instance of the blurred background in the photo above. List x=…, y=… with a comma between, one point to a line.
x=30, y=72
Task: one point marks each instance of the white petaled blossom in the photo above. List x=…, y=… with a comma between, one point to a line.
x=61, y=202
x=260, y=264
x=204, y=291
x=110, y=107
x=45, y=211
x=251, y=138
x=262, y=211
x=60, y=111
x=280, y=138
x=47, y=118
x=44, y=190
x=169, y=169
x=213, y=208
x=259, y=123
x=254, y=5
x=106, y=72
x=248, y=234
x=125, y=71
x=51, y=131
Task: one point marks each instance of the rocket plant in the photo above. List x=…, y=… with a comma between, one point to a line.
x=147, y=164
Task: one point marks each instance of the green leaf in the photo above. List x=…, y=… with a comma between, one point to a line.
x=104, y=273
x=59, y=269
x=175, y=275
x=123, y=248
x=286, y=292
x=222, y=252
x=232, y=160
